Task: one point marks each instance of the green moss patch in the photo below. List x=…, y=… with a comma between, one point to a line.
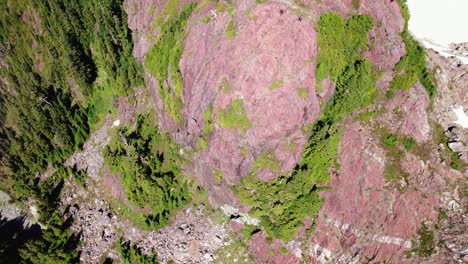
x=302, y=92
x=267, y=160
x=218, y=175
x=234, y=116
x=276, y=84
x=231, y=30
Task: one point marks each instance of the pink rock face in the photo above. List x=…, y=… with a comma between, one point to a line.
x=265, y=252
x=272, y=47
x=235, y=226
x=386, y=45
x=411, y=107
x=365, y=217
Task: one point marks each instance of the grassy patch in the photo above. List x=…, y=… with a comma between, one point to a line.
x=234, y=116
x=221, y=7
x=231, y=30
x=236, y=252
x=151, y=10
x=290, y=146
x=276, y=84
x=218, y=175
x=408, y=142
x=302, y=93
x=364, y=116
x=355, y=4
x=267, y=160
x=244, y=151
x=202, y=5
x=162, y=60
x=424, y=245
x=284, y=251
x=394, y=152
x=248, y=231
x=202, y=141
x=208, y=121
x=206, y=19
x=225, y=86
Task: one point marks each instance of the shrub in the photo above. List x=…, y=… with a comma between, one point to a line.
x=409, y=142
x=390, y=140
x=338, y=42
x=206, y=19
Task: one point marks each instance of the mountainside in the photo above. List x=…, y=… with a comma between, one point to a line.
x=229, y=132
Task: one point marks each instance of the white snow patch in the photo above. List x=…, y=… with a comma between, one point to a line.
x=462, y=118
x=439, y=23
x=116, y=123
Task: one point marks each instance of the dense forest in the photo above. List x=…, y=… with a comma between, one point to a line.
x=61, y=65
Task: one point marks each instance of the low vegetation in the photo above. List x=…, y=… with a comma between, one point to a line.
x=267, y=161
x=208, y=127
x=276, y=84
x=365, y=116
x=302, y=93
x=394, y=146
x=148, y=165
x=412, y=67
x=162, y=60
x=231, y=30
x=234, y=116
x=284, y=202
x=424, y=245
x=218, y=176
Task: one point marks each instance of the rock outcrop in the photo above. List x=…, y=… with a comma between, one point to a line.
x=372, y=213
